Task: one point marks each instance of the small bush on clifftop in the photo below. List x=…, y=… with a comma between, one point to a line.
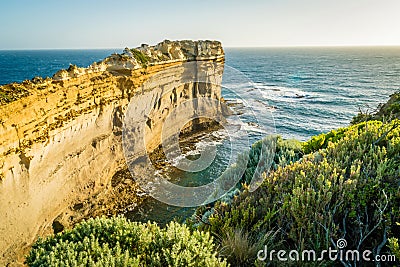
x=140, y=57
x=117, y=242
x=386, y=112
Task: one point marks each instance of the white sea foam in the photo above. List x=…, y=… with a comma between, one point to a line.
x=284, y=94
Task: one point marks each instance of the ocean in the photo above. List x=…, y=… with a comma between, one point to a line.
x=316, y=90
x=306, y=91
x=20, y=65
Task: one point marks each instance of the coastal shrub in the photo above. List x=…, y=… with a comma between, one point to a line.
x=12, y=92
x=348, y=188
x=390, y=110
x=118, y=242
x=322, y=141
x=140, y=57
x=394, y=244
x=394, y=247
x=285, y=152
x=386, y=112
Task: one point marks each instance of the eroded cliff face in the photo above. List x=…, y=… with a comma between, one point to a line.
x=60, y=138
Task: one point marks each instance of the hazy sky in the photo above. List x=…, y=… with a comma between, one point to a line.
x=113, y=24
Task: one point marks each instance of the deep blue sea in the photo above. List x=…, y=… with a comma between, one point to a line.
x=19, y=65
x=306, y=91
x=315, y=90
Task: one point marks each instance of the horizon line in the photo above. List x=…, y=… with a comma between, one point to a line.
x=312, y=46
x=266, y=46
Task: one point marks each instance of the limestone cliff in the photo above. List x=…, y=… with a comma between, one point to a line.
x=60, y=138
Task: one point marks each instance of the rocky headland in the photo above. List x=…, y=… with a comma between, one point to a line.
x=61, y=155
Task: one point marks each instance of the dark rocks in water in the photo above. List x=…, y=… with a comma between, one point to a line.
x=295, y=96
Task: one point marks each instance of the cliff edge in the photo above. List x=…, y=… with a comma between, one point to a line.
x=60, y=137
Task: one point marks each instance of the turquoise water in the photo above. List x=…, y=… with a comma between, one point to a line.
x=307, y=90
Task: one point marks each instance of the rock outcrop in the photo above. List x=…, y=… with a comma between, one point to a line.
x=60, y=138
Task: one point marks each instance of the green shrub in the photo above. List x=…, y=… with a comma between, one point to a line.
x=12, y=92
x=285, y=152
x=322, y=140
x=347, y=188
x=140, y=57
x=394, y=247
x=117, y=242
x=386, y=112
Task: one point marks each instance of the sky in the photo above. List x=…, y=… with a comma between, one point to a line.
x=78, y=24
